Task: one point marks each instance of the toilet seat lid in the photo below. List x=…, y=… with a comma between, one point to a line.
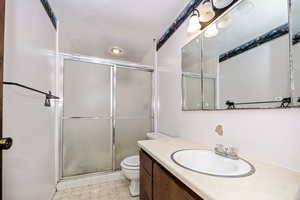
x=132, y=161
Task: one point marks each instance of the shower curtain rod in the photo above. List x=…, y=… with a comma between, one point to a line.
x=49, y=96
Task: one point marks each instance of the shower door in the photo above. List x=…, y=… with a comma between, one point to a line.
x=133, y=116
x=106, y=110
x=87, y=121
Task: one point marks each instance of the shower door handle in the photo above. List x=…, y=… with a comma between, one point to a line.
x=6, y=143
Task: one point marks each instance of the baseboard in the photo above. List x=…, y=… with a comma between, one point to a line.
x=96, y=179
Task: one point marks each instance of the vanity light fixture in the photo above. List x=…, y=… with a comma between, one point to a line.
x=207, y=12
x=211, y=31
x=116, y=51
x=194, y=23
x=204, y=14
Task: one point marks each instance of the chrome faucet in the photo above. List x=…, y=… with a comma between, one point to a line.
x=227, y=152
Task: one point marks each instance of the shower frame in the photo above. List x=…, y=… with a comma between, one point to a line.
x=113, y=65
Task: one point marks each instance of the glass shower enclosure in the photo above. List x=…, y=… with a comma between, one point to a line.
x=107, y=108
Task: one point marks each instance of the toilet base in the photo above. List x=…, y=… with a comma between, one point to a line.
x=134, y=188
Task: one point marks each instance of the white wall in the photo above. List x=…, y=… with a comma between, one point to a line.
x=30, y=38
x=269, y=135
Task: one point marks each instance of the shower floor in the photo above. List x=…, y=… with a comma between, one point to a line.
x=113, y=190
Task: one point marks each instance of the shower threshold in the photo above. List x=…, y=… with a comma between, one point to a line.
x=89, y=179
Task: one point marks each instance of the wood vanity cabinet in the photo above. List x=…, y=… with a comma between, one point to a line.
x=156, y=183
x=146, y=182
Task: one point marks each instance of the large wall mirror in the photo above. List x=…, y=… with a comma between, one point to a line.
x=242, y=60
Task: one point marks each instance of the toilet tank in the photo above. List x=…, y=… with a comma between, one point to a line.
x=157, y=135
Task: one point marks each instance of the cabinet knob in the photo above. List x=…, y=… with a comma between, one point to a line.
x=6, y=143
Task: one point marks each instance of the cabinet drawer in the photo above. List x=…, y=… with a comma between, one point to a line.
x=146, y=162
x=145, y=185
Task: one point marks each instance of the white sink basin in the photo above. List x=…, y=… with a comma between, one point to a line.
x=209, y=163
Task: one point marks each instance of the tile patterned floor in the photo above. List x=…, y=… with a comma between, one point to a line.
x=114, y=190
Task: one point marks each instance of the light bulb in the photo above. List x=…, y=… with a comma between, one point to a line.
x=205, y=7
x=211, y=31
x=224, y=22
x=206, y=17
x=206, y=12
x=116, y=51
x=194, y=24
x=219, y=4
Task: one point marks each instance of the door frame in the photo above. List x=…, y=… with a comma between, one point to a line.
x=2, y=31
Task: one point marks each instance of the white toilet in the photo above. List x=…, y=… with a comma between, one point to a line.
x=131, y=170
x=131, y=167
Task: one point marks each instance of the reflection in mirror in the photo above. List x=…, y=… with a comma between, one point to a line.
x=209, y=92
x=296, y=48
x=192, y=94
x=191, y=57
x=245, y=57
x=191, y=76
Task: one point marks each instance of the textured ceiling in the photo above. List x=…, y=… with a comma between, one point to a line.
x=92, y=27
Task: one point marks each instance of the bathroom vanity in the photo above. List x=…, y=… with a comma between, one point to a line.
x=157, y=183
x=161, y=178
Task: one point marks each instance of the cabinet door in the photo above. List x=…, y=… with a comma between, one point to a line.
x=146, y=162
x=145, y=185
x=165, y=186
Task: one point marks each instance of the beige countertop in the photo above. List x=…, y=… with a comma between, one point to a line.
x=268, y=183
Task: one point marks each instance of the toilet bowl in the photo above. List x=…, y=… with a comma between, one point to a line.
x=131, y=170
x=131, y=167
